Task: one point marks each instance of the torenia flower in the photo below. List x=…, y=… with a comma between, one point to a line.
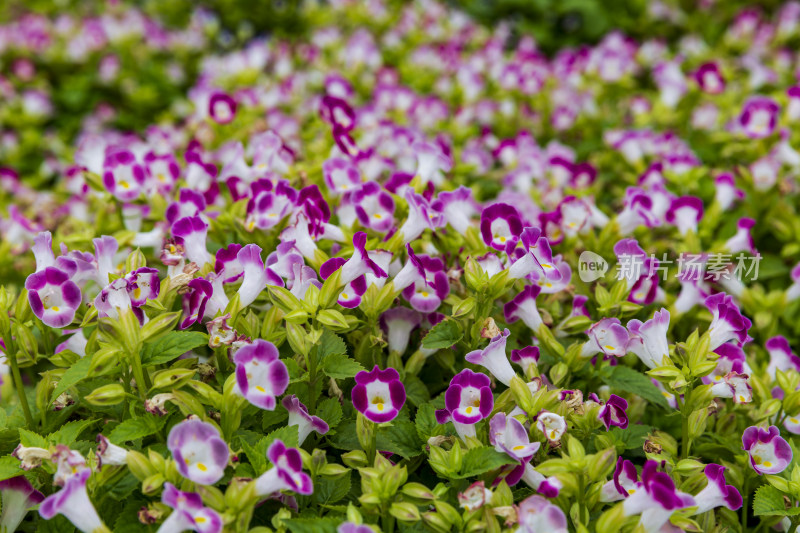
x=199, y=452
x=509, y=436
x=742, y=241
x=538, y=257
x=781, y=356
x=734, y=385
x=729, y=324
x=613, y=413
x=685, y=212
x=359, y=263
x=73, y=502
x=286, y=473
x=648, y=340
x=123, y=176
x=793, y=291
x=624, y=483
x=399, y=322
x=500, y=226
x=655, y=499
x=474, y=497
x=759, y=117
x=189, y=512
x=221, y=107
x=143, y=285
x=717, y=493
x=769, y=453
x=523, y=307
x=468, y=400
x=709, y=78
x=374, y=207
x=340, y=175
x=260, y=374
x=110, y=454
x=351, y=527
x=493, y=358
x=553, y=426
x=458, y=208
x=607, y=336
x=536, y=514
x=421, y=216
x=18, y=496
x=195, y=300
x=379, y=394
x=193, y=232
x=525, y=357
x=53, y=297
x=298, y=416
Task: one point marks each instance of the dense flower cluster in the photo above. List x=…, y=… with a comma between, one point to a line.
x=361, y=282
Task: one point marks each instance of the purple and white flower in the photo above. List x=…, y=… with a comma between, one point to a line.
x=523, y=307
x=648, y=340
x=493, y=358
x=781, y=356
x=717, y=493
x=552, y=425
x=399, y=322
x=612, y=413
x=655, y=499
x=685, y=213
x=53, y=297
x=200, y=453
x=468, y=400
x=608, y=337
x=193, y=231
x=123, y=176
x=535, y=513
x=188, y=513
x=299, y=416
x=260, y=375
x=73, y=502
x=501, y=226
x=285, y=474
x=728, y=324
x=769, y=453
x=379, y=394
x=538, y=257
x=526, y=358
x=759, y=117
x=18, y=497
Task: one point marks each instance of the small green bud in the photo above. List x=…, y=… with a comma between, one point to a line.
x=139, y=465
x=172, y=378
x=160, y=325
x=355, y=459
x=333, y=471
x=404, y=511
x=418, y=491
x=111, y=394
x=152, y=484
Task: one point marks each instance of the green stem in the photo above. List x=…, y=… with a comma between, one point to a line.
x=311, y=364
x=745, y=499
x=23, y=400
x=142, y=379
x=685, y=441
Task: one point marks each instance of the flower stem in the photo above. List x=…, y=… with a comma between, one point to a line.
x=23, y=400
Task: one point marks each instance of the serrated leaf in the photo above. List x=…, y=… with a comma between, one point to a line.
x=136, y=428
x=633, y=436
x=69, y=432
x=626, y=379
x=9, y=467
x=768, y=501
x=443, y=335
x=330, y=343
x=339, y=366
x=328, y=491
x=72, y=376
x=312, y=525
x=330, y=410
x=171, y=346
x=416, y=391
x=29, y=438
x=478, y=461
x=401, y=438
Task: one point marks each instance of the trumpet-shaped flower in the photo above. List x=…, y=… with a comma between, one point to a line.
x=260, y=375
x=468, y=400
x=286, y=472
x=188, y=513
x=493, y=358
x=53, y=297
x=379, y=394
x=768, y=452
x=200, y=453
x=299, y=416
x=73, y=502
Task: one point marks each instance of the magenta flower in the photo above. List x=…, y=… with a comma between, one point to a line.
x=200, y=453
x=523, y=307
x=18, y=496
x=759, y=117
x=525, y=357
x=457, y=207
x=260, y=375
x=655, y=498
x=552, y=425
x=769, y=453
x=398, y=323
x=360, y=262
x=195, y=300
x=500, y=226
x=535, y=513
x=685, y=212
x=608, y=337
x=188, y=512
x=340, y=175
x=286, y=473
x=143, y=285
x=726, y=193
x=538, y=257
x=781, y=356
x=468, y=400
x=709, y=77
x=379, y=394
x=493, y=358
x=73, y=502
x=648, y=340
x=742, y=241
x=624, y=483
x=717, y=493
x=374, y=207
x=193, y=231
x=53, y=297
x=123, y=176
x=729, y=324
x=613, y=413
x=221, y=107
x=421, y=216
x=299, y=416
x=427, y=292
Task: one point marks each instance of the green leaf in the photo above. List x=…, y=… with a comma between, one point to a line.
x=478, y=461
x=339, y=366
x=768, y=501
x=328, y=491
x=402, y=438
x=287, y=434
x=416, y=391
x=31, y=439
x=633, y=436
x=73, y=375
x=312, y=525
x=257, y=455
x=629, y=380
x=137, y=428
x=9, y=467
x=330, y=343
x=426, y=424
x=330, y=410
x=443, y=335
x=171, y=346
x=69, y=432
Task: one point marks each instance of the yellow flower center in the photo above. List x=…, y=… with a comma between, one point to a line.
x=202, y=467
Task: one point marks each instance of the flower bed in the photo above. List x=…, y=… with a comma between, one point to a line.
x=407, y=274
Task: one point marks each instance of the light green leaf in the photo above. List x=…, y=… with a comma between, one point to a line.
x=768, y=501
x=72, y=376
x=478, y=461
x=330, y=410
x=69, y=432
x=443, y=335
x=9, y=467
x=136, y=428
x=339, y=366
x=626, y=379
x=171, y=346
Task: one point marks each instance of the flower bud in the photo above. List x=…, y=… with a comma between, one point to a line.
x=111, y=394
x=240, y=494
x=355, y=459
x=172, y=378
x=522, y=394
x=139, y=465
x=418, y=491
x=404, y=511
x=161, y=324
x=601, y=463
x=152, y=484
x=333, y=319
x=436, y=522
x=558, y=373
x=333, y=471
